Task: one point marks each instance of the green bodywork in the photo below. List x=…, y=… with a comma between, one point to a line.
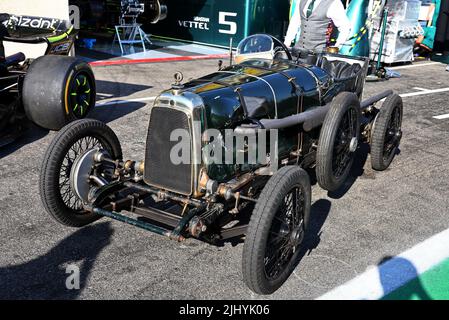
x=275, y=97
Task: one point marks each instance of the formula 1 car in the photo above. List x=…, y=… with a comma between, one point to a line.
x=236, y=141
x=51, y=90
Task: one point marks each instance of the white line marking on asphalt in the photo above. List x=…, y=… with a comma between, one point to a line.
x=379, y=281
x=422, y=93
x=414, y=66
x=442, y=117
x=420, y=89
x=117, y=102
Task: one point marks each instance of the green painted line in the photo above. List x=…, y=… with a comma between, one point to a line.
x=76, y=107
x=74, y=94
x=431, y=285
x=421, y=272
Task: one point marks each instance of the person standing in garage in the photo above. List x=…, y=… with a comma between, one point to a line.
x=441, y=44
x=312, y=18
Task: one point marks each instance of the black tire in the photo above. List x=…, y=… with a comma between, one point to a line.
x=57, y=164
x=387, y=133
x=58, y=90
x=263, y=222
x=334, y=155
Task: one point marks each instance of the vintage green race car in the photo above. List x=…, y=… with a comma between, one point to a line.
x=226, y=155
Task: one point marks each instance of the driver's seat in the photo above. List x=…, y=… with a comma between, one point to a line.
x=340, y=70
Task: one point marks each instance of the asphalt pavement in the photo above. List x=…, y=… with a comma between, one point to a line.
x=377, y=215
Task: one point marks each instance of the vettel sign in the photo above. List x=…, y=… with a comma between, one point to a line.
x=217, y=21
x=201, y=23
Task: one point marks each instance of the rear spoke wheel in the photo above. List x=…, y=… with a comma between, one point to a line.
x=387, y=133
x=338, y=141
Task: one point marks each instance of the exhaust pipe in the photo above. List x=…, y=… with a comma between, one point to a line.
x=370, y=101
x=309, y=119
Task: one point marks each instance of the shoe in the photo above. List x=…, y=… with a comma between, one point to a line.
x=447, y=68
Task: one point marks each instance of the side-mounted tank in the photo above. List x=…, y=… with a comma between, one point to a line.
x=257, y=89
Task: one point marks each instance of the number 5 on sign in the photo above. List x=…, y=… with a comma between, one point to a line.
x=223, y=20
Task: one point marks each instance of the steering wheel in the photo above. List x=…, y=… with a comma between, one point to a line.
x=280, y=50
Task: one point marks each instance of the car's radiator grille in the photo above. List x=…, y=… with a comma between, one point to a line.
x=160, y=170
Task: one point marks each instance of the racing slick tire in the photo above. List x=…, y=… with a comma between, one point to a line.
x=55, y=187
x=338, y=141
x=278, y=225
x=58, y=90
x=387, y=133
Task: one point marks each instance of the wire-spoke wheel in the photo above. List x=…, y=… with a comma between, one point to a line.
x=338, y=141
x=58, y=197
x=387, y=133
x=276, y=230
x=78, y=148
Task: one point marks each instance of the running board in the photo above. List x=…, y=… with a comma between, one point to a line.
x=173, y=235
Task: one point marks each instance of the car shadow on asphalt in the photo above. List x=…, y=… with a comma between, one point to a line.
x=318, y=215
x=112, y=112
x=113, y=89
x=45, y=276
x=359, y=168
x=319, y=212
x=105, y=114
x=33, y=134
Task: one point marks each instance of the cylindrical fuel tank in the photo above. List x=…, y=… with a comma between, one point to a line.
x=258, y=89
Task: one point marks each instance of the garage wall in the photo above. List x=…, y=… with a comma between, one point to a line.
x=58, y=9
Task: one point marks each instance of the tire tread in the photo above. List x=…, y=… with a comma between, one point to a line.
x=260, y=222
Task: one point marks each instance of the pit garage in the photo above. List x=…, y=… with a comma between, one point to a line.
x=381, y=235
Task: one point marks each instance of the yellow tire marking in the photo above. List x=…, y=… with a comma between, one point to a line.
x=67, y=93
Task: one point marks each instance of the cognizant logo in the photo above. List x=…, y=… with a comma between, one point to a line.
x=45, y=23
x=36, y=22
